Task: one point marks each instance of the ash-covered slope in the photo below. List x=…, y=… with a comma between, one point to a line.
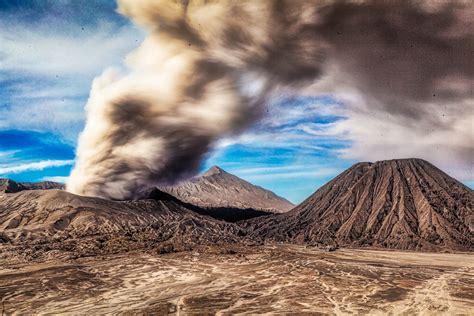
x=219, y=189
x=38, y=222
x=403, y=204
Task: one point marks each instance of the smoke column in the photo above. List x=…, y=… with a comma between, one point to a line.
x=207, y=69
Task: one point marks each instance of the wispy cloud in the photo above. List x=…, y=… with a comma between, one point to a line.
x=40, y=165
x=8, y=154
x=280, y=155
x=59, y=179
x=67, y=49
x=310, y=170
x=47, y=63
x=296, y=175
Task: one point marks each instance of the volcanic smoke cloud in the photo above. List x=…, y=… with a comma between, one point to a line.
x=207, y=69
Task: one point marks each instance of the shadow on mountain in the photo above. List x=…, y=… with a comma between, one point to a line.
x=227, y=214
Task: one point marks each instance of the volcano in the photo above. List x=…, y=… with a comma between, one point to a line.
x=403, y=204
x=217, y=188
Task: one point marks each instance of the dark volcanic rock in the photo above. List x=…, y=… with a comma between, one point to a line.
x=10, y=186
x=219, y=189
x=404, y=204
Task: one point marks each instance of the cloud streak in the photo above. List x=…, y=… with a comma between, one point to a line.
x=58, y=179
x=40, y=165
x=41, y=51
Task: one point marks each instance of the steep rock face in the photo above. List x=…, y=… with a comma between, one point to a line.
x=57, y=220
x=404, y=204
x=219, y=189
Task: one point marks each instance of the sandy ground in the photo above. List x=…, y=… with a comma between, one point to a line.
x=271, y=279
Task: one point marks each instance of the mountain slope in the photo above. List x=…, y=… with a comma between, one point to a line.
x=43, y=185
x=218, y=189
x=402, y=204
x=37, y=222
x=10, y=186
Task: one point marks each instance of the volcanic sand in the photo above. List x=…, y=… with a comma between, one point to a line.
x=260, y=279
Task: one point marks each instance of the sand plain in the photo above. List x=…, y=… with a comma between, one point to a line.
x=283, y=279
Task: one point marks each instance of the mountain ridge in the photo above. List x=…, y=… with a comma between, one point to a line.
x=12, y=186
x=406, y=204
x=217, y=188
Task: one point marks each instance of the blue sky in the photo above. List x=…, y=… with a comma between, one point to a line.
x=49, y=53
x=51, y=50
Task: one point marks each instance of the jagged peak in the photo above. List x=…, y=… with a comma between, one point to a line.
x=214, y=170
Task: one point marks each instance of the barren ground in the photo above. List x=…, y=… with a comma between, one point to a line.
x=264, y=279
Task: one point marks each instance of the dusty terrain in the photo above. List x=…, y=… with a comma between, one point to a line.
x=36, y=225
x=263, y=279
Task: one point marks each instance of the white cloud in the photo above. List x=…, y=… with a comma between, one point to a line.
x=444, y=137
x=31, y=166
x=8, y=154
x=46, y=70
x=40, y=51
x=296, y=175
x=289, y=170
x=437, y=130
x=58, y=179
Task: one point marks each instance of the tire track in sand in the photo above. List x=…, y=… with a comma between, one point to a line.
x=433, y=296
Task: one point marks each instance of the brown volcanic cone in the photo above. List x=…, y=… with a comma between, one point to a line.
x=402, y=204
x=218, y=188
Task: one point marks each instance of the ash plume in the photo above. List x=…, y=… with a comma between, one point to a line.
x=207, y=69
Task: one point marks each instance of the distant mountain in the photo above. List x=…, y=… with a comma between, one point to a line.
x=219, y=189
x=42, y=223
x=10, y=186
x=404, y=204
x=44, y=185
